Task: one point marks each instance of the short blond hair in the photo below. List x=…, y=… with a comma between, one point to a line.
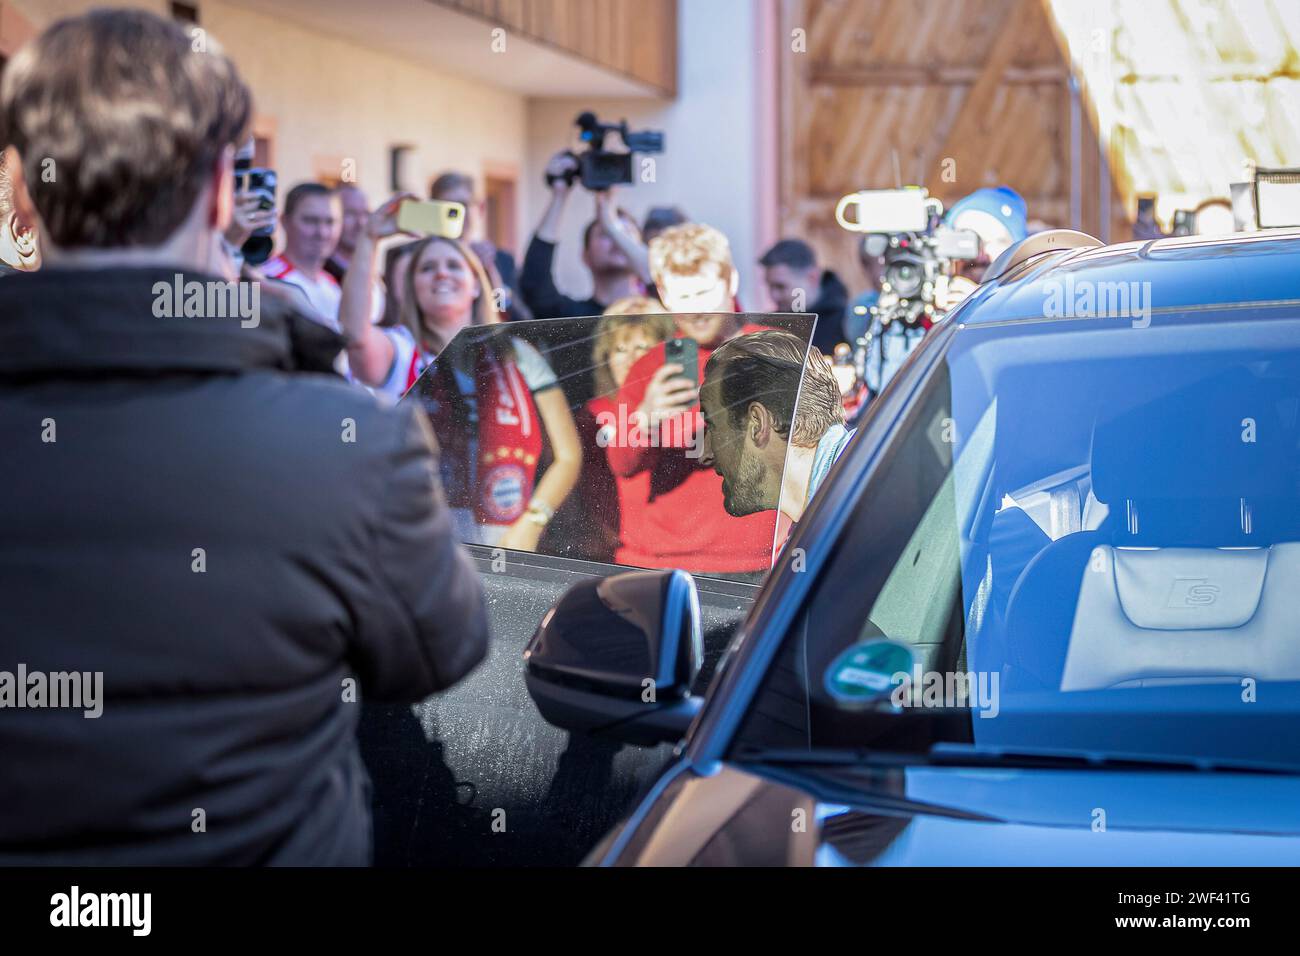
x=635, y=305
x=686, y=249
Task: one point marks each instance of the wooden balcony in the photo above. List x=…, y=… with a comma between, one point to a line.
x=636, y=38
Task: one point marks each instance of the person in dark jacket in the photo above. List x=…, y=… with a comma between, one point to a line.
x=796, y=284
x=613, y=273
x=237, y=546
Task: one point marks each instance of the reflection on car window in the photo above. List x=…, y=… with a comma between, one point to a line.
x=585, y=438
x=1067, y=526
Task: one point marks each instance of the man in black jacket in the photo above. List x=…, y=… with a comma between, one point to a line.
x=235, y=544
x=796, y=284
x=613, y=273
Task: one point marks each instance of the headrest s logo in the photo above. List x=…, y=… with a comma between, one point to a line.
x=1192, y=592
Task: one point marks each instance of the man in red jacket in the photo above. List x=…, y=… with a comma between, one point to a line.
x=682, y=523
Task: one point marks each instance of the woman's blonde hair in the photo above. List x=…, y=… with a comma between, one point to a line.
x=658, y=327
x=484, y=309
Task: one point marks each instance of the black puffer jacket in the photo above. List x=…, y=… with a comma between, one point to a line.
x=225, y=670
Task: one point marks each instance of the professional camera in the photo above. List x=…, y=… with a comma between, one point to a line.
x=902, y=226
x=599, y=168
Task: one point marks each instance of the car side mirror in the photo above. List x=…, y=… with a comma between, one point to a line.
x=617, y=657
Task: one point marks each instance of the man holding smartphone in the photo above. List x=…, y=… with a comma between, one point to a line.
x=682, y=523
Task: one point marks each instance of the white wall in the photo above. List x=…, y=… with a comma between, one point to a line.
x=710, y=167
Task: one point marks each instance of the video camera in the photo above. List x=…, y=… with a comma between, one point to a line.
x=599, y=168
x=903, y=226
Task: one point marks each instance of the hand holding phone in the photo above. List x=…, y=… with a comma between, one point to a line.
x=684, y=352
x=666, y=395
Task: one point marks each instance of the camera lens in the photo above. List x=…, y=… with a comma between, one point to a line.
x=904, y=278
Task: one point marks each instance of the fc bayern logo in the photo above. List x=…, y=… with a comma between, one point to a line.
x=503, y=492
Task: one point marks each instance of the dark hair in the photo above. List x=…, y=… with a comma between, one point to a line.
x=659, y=218
x=766, y=367
x=130, y=113
x=394, y=284
x=449, y=181
x=302, y=191
x=794, y=253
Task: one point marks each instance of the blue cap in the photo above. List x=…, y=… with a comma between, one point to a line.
x=1001, y=202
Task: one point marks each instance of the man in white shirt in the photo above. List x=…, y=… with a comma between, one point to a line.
x=312, y=220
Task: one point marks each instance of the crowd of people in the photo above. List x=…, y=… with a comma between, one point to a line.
x=544, y=413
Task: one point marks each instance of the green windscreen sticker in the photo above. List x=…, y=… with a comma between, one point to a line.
x=865, y=671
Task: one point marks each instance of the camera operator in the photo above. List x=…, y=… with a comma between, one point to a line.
x=789, y=269
x=613, y=272
x=998, y=215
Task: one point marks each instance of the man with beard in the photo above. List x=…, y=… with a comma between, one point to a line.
x=769, y=453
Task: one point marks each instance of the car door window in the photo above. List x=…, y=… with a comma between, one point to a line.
x=556, y=411
x=1092, y=561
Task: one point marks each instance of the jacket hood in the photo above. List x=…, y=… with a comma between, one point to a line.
x=151, y=319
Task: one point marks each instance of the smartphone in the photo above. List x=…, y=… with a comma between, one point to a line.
x=686, y=353
x=433, y=217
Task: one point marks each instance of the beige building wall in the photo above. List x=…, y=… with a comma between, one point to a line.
x=328, y=100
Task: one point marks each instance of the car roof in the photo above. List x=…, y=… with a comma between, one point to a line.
x=1173, y=274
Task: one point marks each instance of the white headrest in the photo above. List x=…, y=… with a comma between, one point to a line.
x=1189, y=589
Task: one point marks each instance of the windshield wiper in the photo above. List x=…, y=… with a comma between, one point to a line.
x=967, y=755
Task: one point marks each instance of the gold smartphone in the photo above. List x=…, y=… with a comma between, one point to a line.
x=433, y=217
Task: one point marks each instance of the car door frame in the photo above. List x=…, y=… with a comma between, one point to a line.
x=761, y=635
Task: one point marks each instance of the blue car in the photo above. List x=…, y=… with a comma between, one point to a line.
x=1044, y=610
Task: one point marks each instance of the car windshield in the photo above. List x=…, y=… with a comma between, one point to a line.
x=1083, y=539
x=583, y=438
